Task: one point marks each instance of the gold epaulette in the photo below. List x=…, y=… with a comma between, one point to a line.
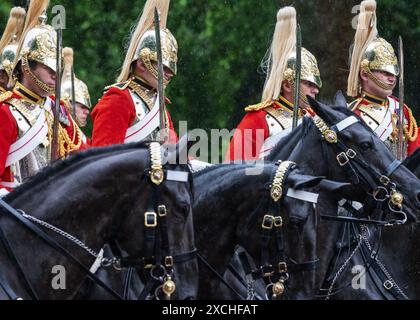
x=5, y=96
x=119, y=85
x=259, y=106
x=354, y=104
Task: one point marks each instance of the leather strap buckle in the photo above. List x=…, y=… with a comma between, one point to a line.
x=342, y=159
x=384, y=180
x=162, y=211
x=388, y=285
x=169, y=261
x=150, y=219
x=278, y=222
x=282, y=267
x=351, y=153
x=268, y=222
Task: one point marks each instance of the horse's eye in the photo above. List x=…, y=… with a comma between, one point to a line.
x=365, y=146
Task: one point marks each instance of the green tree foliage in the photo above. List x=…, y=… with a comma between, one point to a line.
x=221, y=46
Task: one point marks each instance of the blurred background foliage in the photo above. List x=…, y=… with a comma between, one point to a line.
x=222, y=44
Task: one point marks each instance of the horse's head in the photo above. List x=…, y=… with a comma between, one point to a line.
x=293, y=239
x=163, y=210
x=352, y=152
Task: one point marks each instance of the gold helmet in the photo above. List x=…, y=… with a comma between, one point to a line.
x=8, y=42
x=38, y=43
x=143, y=41
x=81, y=92
x=282, y=58
x=370, y=52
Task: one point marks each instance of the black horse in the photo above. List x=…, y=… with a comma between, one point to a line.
x=229, y=206
x=413, y=163
x=376, y=160
x=97, y=196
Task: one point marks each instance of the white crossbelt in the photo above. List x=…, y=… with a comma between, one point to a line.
x=384, y=130
x=31, y=139
x=145, y=126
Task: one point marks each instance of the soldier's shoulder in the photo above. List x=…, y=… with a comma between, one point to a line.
x=5, y=96
x=396, y=99
x=354, y=104
x=260, y=106
x=119, y=85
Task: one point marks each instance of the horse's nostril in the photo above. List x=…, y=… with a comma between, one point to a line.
x=418, y=197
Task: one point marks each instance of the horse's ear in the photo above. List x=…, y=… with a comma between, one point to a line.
x=315, y=105
x=320, y=109
x=339, y=99
x=299, y=181
x=333, y=186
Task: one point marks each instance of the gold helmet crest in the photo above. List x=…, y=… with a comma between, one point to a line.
x=143, y=41
x=282, y=57
x=81, y=91
x=11, y=35
x=370, y=52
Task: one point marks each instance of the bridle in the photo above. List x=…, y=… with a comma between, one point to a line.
x=157, y=264
x=157, y=259
x=378, y=185
x=275, y=267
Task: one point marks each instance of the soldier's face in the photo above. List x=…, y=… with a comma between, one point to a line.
x=4, y=79
x=145, y=73
x=82, y=114
x=308, y=89
x=43, y=73
x=371, y=87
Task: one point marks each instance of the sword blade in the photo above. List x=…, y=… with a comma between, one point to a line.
x=161, y=89
x=297, y=76
x=400, y=153
x=54, y=144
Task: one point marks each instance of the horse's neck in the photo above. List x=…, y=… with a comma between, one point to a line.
x=88, y=213
x=224, y=199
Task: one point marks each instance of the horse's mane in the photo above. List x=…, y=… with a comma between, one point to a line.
x=412, y=161
x=288, y=141
x=70, y=161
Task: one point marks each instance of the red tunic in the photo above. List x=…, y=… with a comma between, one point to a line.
x=262, y=121
x=9, y=134
x=249, y=137
x=411, y=145
x=113, y=115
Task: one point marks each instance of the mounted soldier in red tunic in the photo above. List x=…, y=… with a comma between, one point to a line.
x=26, y=112
x=129, y=110
x=373, y=76
x=275, y=113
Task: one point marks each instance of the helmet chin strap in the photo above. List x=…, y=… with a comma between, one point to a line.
x=38, y=82
x=153, y=70
x=379, y=82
